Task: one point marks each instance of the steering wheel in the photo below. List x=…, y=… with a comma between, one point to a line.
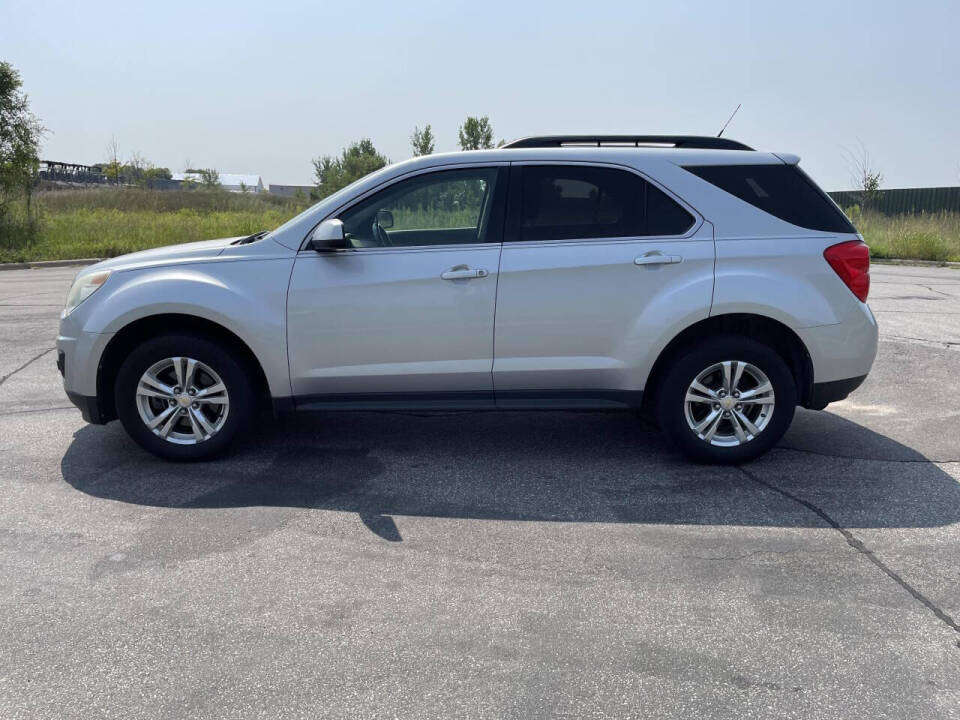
x=383, y=239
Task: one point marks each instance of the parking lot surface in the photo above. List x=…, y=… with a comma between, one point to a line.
x=487, y=565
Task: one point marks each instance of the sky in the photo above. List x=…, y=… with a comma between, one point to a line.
x=265, y=87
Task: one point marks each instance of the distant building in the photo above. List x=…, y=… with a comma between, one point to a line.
x=232, y=182
x=291, y=190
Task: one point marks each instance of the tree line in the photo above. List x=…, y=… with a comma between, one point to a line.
x=362, y=158
x=331, y=173
x=141, y=172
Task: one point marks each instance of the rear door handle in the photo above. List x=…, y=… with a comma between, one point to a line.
x=657, y=260
x=460, y=273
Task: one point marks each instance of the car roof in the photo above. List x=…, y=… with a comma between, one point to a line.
x=632, y=156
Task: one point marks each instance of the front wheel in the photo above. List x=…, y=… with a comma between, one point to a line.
x=184, y=397
x=727, y=400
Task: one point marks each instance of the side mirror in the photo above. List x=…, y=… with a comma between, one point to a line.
x=385, y=219
x=328, y=236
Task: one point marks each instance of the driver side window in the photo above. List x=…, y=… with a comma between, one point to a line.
x=441, y=208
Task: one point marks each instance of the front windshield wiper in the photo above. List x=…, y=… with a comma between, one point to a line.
x=250, y=238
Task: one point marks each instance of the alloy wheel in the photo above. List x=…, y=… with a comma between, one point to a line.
x=182, y=400
x=729, y=403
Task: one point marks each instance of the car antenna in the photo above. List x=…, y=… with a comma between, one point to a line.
x=728, y=120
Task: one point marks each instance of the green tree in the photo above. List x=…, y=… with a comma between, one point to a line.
x=476, y=134
x=865, y=175
x=209, y=178
x=139, y=171
x=870, y=187
x=335, y=173
x=112, y=170
x=113, y=167
x=422, y=141
x=158, y=173
x=20, y=133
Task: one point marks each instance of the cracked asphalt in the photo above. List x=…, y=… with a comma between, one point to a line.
x=487, y=566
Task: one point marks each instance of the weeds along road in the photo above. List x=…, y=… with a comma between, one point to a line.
x=512, y=565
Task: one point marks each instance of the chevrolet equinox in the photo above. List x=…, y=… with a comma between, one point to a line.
x=712, y=286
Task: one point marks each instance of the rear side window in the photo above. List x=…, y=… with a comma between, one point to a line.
x=570, y=202
x=784, y=191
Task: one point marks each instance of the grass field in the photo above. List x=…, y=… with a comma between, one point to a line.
x=108, y=222
x=916, y=237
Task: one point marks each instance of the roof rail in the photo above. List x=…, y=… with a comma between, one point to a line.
x=677, y=141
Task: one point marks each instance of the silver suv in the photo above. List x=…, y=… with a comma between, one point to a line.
x=711, y=285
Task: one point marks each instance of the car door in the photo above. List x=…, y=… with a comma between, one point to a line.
x=599, y=266
x=406, y=315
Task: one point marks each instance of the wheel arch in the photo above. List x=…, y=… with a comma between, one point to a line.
x=135, y=332
x=761, y=328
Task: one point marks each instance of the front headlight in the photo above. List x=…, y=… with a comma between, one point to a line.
x=83, y=287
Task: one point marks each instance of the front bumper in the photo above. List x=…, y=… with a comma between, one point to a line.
x=89, y=407
x=78, y=360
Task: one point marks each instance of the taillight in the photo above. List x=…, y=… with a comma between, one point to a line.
x=851, y=261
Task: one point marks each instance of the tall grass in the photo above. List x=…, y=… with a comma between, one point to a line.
x=20, y=226
x=110, y=222
x=133, y=199
x=927, y=236
x=106, y=233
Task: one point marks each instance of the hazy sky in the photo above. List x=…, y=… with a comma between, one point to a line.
x=263, y=87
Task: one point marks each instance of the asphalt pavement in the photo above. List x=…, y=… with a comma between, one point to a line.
x=514, y=565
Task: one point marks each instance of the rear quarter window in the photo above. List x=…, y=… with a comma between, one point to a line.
x=784, y=191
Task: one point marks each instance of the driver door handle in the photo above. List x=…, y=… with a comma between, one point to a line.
x=463, y=273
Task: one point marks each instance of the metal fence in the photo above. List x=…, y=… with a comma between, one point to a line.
x=906, y=201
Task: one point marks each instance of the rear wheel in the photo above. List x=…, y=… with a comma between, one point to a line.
x=183, y=397
x=726, y=400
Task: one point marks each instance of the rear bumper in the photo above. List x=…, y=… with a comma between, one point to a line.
x=844, y=351
x=827, y=392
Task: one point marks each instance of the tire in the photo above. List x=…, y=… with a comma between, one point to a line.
x=210, y=420
x=762, y=417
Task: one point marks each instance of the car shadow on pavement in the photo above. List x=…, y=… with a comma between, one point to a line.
x=569, y=467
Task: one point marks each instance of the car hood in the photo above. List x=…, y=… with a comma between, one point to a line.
x=167, y=255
